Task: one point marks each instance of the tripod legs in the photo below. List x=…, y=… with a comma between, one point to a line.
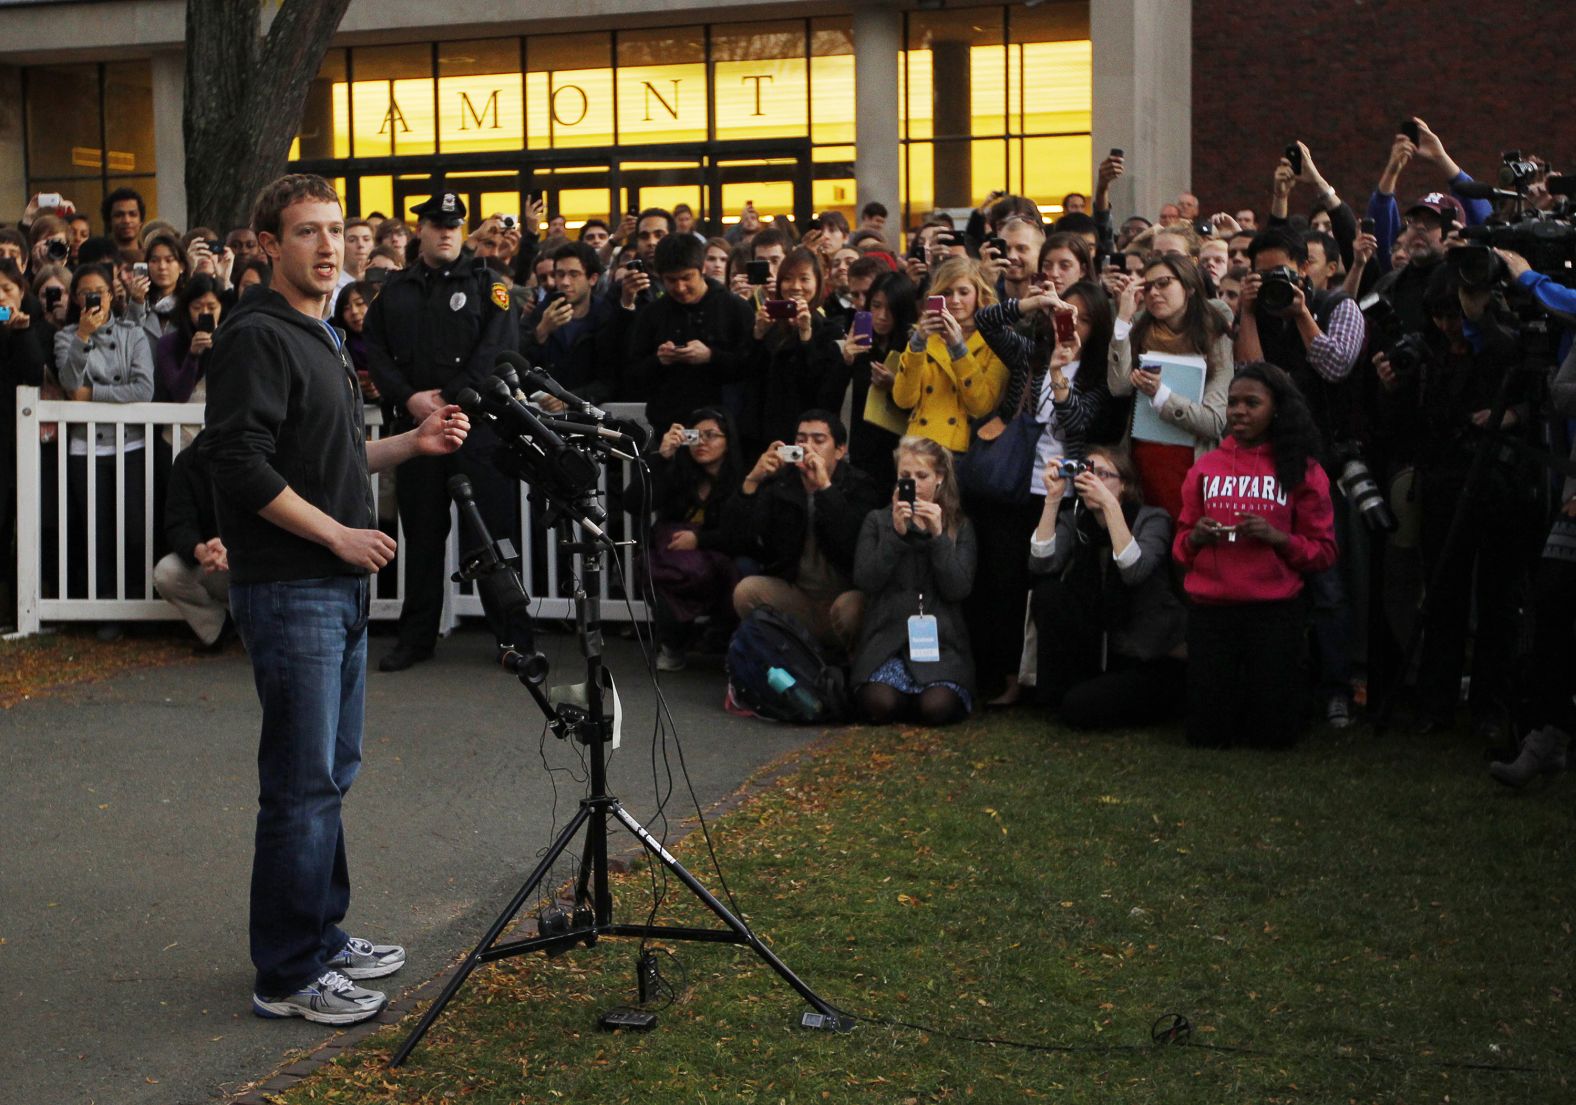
x=478, y=954
x=592, y=816
x=739, y=931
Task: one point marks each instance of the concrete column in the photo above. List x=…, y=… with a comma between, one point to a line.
x=13, y=172
x=1143, y=98
x=169, y=134
x=953, y=114
x=878, y=34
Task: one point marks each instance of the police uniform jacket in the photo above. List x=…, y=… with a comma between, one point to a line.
x=438, y=328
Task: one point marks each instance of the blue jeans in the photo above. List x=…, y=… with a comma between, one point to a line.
x=308, y=643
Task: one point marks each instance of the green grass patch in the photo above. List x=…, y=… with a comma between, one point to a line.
x=1372, y=919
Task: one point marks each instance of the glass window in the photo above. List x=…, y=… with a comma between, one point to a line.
x=1054, y=83
x=662, y=85
x=1052, y=167
x=832, y=81
x=481, y=98
x=63, y=121
x=325, y=120
x=128, y=117
x=569, y=91
x=377, y=194
x=392, y=100
x=760, y=81
x=956, y=73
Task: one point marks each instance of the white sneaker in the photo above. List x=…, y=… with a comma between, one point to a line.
x=364, y=959
x=670, y=659
x=332, y=999
x=1338, y=712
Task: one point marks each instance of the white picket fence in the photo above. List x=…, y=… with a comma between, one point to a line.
x=547, y=573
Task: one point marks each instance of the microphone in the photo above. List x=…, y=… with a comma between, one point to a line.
x=504, y=601
x=543, y=381
x=1482, y=190
x=498, y=401
x=563, y=469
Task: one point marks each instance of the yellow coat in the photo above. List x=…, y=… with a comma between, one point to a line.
x=941, y=394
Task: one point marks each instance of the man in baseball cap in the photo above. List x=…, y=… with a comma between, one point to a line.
x=1425, y=225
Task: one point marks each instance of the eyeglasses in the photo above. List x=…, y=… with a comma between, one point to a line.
x=1105, y=473
x=713, y=435
x=1160, y=283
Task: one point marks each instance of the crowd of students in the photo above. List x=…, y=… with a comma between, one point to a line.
x=1113, y=462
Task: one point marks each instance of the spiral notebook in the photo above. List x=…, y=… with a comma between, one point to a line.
x=1184, y=374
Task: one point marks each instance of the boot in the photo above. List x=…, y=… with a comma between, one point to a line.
x=1542, y=753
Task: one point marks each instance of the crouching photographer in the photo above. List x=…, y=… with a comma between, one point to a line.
x=1440, y=397
x=1102, y=567
x=915, y=565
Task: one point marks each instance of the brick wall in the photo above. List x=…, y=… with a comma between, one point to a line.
x=1486, y=75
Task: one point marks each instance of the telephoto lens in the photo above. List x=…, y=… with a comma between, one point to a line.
x=1362, y=491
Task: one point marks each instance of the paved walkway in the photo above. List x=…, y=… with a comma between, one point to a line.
x=126, y=814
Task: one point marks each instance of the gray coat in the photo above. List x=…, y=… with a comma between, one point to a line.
x=893, y=572
x=116, y=362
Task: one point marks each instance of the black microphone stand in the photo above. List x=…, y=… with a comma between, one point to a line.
x=593, y=901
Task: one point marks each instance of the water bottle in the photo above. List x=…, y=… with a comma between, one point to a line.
x=784, y=683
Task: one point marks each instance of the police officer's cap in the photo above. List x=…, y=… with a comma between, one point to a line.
x=443, y=209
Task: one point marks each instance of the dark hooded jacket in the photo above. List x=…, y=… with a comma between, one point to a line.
x=284, y=410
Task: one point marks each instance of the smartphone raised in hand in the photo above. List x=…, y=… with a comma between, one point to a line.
x=1294, y=155
x=906, y=491
x=782, y=310
x=863, y=328
x=205, y=323
x=1408, y=127
x=1366, y=225
x=758, y=272
x=1066, y=326
x=935, y=303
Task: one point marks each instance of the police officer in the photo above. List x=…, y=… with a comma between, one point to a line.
x=437, y=329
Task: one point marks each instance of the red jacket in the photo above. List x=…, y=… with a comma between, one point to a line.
x=1236, y=479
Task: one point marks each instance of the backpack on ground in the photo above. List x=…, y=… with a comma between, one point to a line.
x=777, y=670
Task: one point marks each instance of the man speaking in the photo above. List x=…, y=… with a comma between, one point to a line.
x=289, y=457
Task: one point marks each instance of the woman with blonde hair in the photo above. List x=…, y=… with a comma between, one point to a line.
x=947, y=374
x=916, y=559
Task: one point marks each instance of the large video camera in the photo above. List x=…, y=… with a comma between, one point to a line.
x=1547, y=239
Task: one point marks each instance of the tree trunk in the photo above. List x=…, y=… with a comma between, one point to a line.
x=244, y=97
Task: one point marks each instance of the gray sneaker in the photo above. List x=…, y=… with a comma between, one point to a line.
x=364, y=959
x=671, y=659
x=1542, y=753
x=332, y=999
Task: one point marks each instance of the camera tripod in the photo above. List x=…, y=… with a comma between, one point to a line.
x=593, y=913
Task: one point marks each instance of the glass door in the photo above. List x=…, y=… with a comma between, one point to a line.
x=577, y=192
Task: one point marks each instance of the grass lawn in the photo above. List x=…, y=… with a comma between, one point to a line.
x=1370, y=919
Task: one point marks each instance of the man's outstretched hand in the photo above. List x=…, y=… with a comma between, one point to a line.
x=442, y=432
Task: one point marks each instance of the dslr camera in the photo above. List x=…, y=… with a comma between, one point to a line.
x=1407, y=351
x=1278, y=290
